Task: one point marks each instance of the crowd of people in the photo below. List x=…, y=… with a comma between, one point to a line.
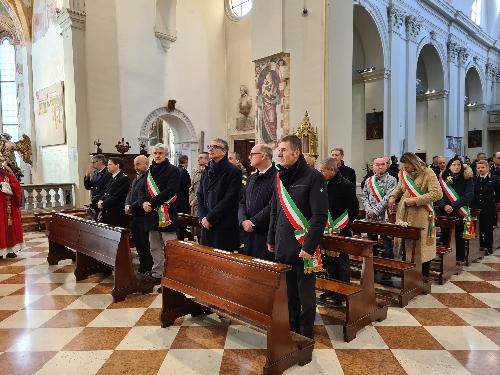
x=281, y=212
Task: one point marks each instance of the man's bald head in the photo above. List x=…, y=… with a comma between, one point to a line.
x=441, y=160
x=141, y=164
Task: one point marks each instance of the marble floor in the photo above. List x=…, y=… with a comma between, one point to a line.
x=51, y=324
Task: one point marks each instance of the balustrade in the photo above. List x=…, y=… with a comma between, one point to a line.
x=47, y=196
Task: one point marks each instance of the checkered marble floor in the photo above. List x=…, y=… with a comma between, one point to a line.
x=51, y=324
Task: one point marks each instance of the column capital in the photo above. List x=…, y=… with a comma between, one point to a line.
x=413, y=26
x=463, y=56
x=396, y=19
x=453, y=52
x=75, y=19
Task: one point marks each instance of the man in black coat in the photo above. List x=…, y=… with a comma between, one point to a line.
x=347, y=172
x=255, y=204
x=183, y=194
x=307, y=189
x=218, y=198
x=134, y=207
x=158, y=199
x=96, y=178
x=112, y=201
x=341, y=198
x=495, y=168
x=486, y=194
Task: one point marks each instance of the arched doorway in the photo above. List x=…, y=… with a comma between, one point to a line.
x=174, y=128
x=431, y=104
x=475, y=114
x=368, y=71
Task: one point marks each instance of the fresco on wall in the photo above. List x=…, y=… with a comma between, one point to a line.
x=44, y=16
x=272, y=83
x=49, y=115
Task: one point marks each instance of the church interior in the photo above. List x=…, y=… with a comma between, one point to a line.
x=80, y=78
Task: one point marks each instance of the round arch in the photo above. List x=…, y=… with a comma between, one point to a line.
x=380, y=23
x=21, y=14
x=476, y=81
x=185, y=139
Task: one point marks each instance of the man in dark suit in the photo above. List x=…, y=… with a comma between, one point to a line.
x=158, y=199
x=347, y=172
x=306, y=189
x=255, y=207
x=341, y=198
x=134, y=207
x=486, y=194
x=218, y=199
x=183, y=194
x=495, y=168
x=112, y=201
x=96, y=178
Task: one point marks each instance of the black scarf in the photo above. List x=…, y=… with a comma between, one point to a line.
x=289, y=175
x=215, y=167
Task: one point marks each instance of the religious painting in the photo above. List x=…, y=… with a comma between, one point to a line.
x=44, y=16
x=375, y=125
x=271, y=80
x=455, y=145
x=475, y=139
x=49, y=115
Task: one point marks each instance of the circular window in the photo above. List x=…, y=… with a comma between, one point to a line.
x=240, y=8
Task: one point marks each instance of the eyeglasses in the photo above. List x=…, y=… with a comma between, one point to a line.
x=214, y=147
x=255, y=153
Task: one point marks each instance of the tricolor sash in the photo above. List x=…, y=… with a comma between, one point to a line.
x=163, y=215
x=415, y=192
x=469, y=227
x=334, y=227
x=375, y=189
x=301, y=226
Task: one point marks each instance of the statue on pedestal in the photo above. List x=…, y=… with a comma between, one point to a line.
x=7, y=149
x=245, y=121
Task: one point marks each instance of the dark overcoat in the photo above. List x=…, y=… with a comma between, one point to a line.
x=115, y=193
x=255, y=205
x=342, y=197
x=218, y=199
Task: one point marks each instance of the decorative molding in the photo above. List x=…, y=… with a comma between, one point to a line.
x=161, y=112
x=75, y=19
x=165, y=39
x=475, y=107
x=441, y=94
x=492, y=72
x=375, y=75
x=463, y=55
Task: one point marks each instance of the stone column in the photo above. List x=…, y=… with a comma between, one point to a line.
x=412, y=30
x=394, y=131
x=463, y=55
x=72, y=22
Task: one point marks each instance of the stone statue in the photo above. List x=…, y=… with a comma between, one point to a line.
x=245, y=121
x=7, y=149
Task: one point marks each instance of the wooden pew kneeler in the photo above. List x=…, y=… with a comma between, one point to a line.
x=238, y=287
x=412, y=282
x=446, y=253
x=97, y=248
x=472, y=246
x=362, y=306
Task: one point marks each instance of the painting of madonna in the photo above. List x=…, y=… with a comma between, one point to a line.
x=268, y=98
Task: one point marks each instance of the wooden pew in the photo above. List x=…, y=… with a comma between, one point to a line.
x=446, y=253
x=496, y=231
x=98, y=248
x=412, y=282
x=242, y=288
x=472, y=248
x=188, y=221
x=362, y=307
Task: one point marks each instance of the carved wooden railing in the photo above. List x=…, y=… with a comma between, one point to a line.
x=47, y=196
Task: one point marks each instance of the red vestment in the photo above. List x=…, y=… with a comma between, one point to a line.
x=11, y=227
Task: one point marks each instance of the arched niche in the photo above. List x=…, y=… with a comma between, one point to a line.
x=368, y=84
x=185, y=139
x=475, y=113
x=431, y=103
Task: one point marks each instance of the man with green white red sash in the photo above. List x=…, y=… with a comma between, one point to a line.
x=343, y=208
x=299, y=211
x=375, y=198
x=158, y=199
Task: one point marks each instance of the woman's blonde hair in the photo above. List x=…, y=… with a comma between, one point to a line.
x=413, y=160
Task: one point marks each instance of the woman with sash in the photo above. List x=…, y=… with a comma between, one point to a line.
x=458, y=192
x=418, y=189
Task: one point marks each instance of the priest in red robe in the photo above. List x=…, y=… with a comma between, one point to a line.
x=11, y=228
